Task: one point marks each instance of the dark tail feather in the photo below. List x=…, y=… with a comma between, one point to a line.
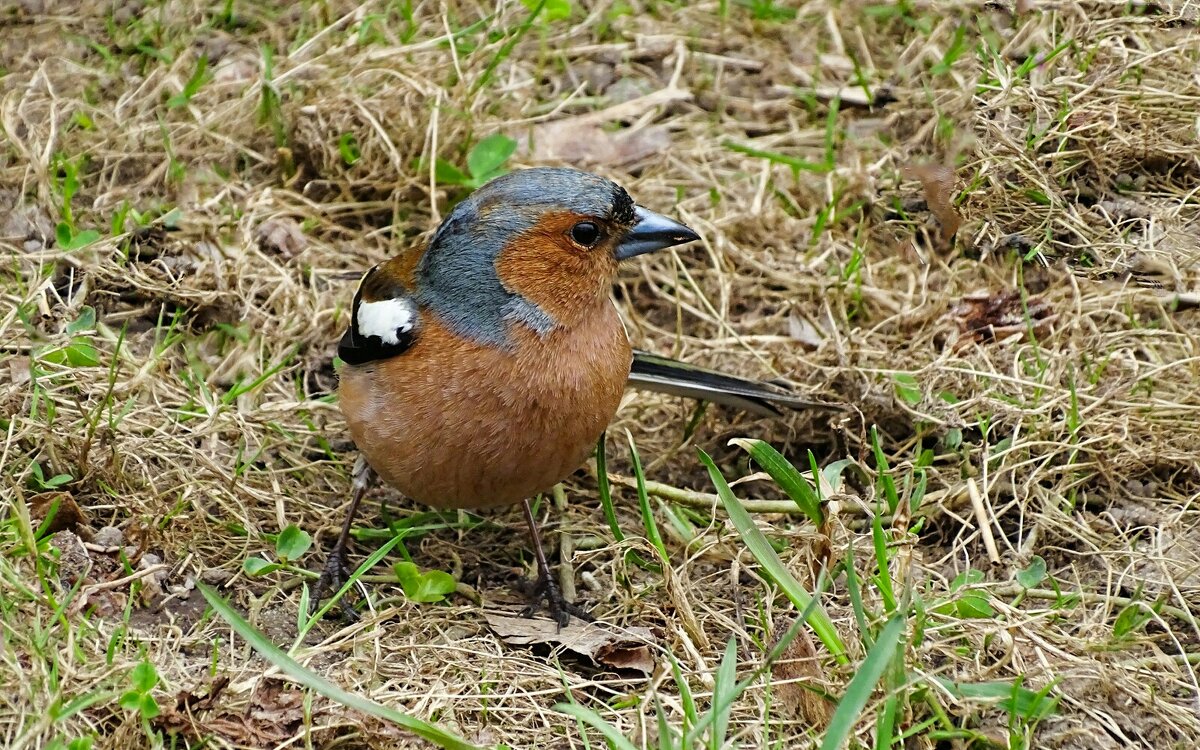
x=665, y=375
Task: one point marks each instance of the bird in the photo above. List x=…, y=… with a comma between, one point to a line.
x=482, y=370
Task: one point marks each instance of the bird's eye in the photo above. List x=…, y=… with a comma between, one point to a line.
x=585, y=233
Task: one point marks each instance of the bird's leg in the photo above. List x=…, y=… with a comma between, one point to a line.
x=545, y=588
x=337, y=569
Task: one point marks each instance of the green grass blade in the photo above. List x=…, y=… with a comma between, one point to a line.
x=886, y=483
x=758, y=545
x=644, y=501
x=592, y=719
x=315, y=682
x=725, y=689
x=604, y=489
x=723, y=701
x=786, y=476
x=862, y=685
x=690, y=714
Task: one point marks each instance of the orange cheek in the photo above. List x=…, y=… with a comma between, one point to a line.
x=546, y=268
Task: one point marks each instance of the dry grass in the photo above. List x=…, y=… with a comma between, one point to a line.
x=1049, y=354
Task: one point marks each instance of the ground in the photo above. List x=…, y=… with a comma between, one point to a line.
x=970, y=226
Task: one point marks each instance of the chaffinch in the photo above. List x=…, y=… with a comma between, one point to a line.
x=483, y=370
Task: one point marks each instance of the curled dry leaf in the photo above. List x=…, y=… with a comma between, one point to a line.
x=66, y=512
x=987, y=316
x=583, y=141
x=797, y=680
x=937, y=182
x=587, y=144
x=182, y=717
x=626, y=648
x=282, y=236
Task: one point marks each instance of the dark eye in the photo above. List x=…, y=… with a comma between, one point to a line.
x=585, y=233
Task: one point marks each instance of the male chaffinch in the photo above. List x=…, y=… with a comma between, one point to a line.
x=483, y=370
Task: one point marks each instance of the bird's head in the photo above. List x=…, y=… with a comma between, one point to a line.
x=537, y=247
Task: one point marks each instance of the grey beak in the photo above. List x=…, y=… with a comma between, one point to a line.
x=652, y=232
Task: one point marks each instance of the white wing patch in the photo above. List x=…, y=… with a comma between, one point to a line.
x=386, y=319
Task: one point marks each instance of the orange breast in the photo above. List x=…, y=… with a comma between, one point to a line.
x=455, y=424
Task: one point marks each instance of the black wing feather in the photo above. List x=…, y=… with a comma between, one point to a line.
x=358, y=349
x=665, y=375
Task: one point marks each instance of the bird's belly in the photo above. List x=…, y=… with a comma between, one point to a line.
x=490, y=430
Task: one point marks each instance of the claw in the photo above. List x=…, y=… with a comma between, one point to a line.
x=337, y=571
x=547, y=591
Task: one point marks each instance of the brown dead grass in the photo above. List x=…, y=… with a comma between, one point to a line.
x=1062, y=318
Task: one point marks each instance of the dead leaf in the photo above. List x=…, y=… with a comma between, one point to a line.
x=18, y=370
x=627, y=648
x=275, y=713
x=797, y=680
x=582, y=140
x=182, y=717
x=66, y=513
x=988, y=316
x=282, y=236
x=937, y=182
x=803, y=330
x=587, y=144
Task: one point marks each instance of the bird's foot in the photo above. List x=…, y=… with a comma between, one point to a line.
x=546, y=590
x=337, y=571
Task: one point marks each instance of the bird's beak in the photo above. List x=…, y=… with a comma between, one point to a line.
x=652, y=232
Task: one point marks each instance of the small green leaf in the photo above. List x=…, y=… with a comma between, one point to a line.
x=553, y=10
x=131, y=700
x=256, y=566
x=907, y=388
x=488, y=156
x=973, y=605
x=83, y=239
x=433, y=586
x=144, y=677
x=148, y=707
x=81, y=354
x=292, y=543
x=62, y=234
x=57, y=481
x=85, y=322
x=1133, y=618
x=1033, y=575
x=348, y=148
x=448, y=174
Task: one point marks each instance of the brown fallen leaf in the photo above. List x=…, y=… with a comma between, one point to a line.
x=283, y=236
x=937, y=182
x=18, y=370
x=994, y=316
x=627, y=648
x=60, y=507
x=582, y=140
x=587, y=144
x=797, y=680
x=183, y=715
